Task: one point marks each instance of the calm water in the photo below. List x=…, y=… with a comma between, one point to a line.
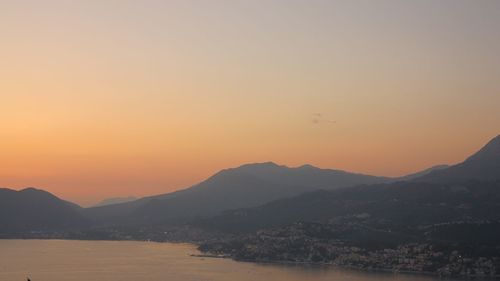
x=58, y=260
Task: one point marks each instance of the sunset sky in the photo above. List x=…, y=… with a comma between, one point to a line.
x=116, y=98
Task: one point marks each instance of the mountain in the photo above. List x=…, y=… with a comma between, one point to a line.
x=115, y=200
x=246, y=186
x=483, y=165
x=36, y=210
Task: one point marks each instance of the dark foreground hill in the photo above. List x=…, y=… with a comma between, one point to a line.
x=395, y=207
x=32, y=209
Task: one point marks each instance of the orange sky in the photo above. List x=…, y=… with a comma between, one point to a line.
x=142, y=97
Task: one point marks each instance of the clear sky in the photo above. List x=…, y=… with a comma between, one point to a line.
x=118, y=98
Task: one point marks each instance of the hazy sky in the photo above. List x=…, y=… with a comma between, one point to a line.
x=112, y=98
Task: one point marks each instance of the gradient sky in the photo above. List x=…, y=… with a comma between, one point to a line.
x=118, y=98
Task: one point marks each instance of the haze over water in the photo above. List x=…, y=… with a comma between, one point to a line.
x=66, y=260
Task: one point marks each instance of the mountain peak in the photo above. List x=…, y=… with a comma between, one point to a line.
x=490, y=151
x=33, y=190
x=268, y=164
x=307, y=167
x=262, y=165
x=495, y=141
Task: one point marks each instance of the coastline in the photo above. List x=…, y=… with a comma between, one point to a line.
x=325, y=264
x=354, y=268
x=331, y=265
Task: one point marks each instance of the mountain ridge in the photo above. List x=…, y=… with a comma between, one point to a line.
x=482, y=165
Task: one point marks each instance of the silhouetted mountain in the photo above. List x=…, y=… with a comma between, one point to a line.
x=115, y=200
x=246, y=186
x=36, y=210
x=483, y=165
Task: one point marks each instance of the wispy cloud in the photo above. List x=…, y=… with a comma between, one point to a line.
x=320, y=118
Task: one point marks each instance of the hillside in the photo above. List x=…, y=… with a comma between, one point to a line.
x=36, y=210
x=401, y=205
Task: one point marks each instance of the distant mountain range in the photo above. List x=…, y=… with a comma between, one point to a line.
x=247, y=186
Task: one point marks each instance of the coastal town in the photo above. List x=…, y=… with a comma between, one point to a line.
x=294, y=245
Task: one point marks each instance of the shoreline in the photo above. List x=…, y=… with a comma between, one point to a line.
x=326, y=264
x=354, y=268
